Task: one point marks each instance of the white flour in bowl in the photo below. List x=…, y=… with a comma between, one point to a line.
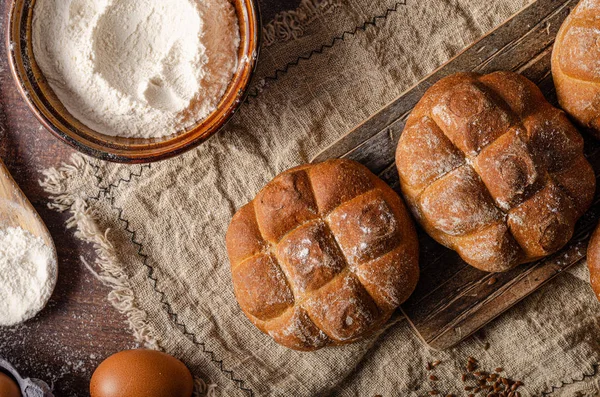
x=144, y=68
x=28, y=272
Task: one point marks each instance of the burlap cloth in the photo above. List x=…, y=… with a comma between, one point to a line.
x=159, y=229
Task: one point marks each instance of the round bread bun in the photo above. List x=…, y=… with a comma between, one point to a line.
x=593, y=261
x=491, y=170
x=575, y=60
x=323, y=255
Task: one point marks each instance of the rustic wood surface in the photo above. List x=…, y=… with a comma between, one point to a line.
x=79, y=328
x=453, y=299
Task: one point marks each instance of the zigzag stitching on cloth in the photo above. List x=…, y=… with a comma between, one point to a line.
x=342, y=37
x=108, y=189
x=114, y=185
x=98, y=182
x=154, y=280
x=584, y=376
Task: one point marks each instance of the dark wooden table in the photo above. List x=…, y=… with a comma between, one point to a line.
x=79, y=328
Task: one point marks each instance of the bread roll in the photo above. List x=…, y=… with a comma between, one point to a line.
x=493, y=171
x=593, y=261
x=323, y=255
x=576, y=65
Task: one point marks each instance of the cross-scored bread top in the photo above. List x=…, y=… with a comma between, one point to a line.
x=492, y=170
x=576, y=64
x=323, y=255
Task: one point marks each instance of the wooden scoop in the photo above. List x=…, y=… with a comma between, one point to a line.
x=17, y=211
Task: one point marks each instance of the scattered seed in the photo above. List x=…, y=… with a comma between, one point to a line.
x=492, y=281
x=429, y=367
x=504, y=380
x=464, y=377
x=486, y=346
x=468, y=388
x=477, y=389
x=499, y=369
x=434, y=393
x=450, y=395
x=516, y=385
x=433, y=377
x=471, y=360
x=471, y=395
x=436, y=363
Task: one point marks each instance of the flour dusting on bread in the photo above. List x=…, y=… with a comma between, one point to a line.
x=576, y=65
x=344, y=255
x=526, y=183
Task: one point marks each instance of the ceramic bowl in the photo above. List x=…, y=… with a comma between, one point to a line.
x=52, y=114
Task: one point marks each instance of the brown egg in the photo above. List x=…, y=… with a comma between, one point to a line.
x=8, y=387
x=141, y=373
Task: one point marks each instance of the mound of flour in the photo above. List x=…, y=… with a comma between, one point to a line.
x=144, y=68
x=27, y=275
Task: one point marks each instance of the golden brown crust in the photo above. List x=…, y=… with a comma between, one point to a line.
x=492, y=170
x=576, y=65
x=593, y=261
x=323, y=255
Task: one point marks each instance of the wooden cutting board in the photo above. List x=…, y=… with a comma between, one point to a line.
x=453, y=299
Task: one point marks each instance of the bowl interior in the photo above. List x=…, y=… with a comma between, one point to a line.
x=53, y=115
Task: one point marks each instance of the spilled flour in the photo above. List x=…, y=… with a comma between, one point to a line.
x=145, y=68
x=28, y=273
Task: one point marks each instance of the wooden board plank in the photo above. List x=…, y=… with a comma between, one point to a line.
x=516, y=38
x=453, y=299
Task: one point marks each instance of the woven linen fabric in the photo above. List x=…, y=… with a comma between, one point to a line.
x=159, y=229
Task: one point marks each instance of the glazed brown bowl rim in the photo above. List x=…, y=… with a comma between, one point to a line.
x=126, y=150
